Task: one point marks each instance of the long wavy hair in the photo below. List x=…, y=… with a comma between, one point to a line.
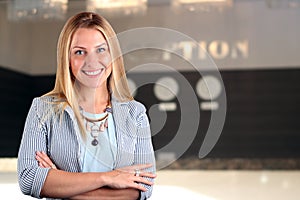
x=64, y=89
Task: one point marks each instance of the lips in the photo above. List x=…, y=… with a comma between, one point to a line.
x=93, y=72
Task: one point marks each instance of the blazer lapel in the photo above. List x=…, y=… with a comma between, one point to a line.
x=71, y=114
x=120, y=114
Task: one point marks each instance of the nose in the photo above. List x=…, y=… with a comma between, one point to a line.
x=92, y=60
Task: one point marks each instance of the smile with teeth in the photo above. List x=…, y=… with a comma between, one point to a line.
x=93, y=73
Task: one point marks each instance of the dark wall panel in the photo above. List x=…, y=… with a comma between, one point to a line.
x=17, y=91
x=261, y=122
x=263, y=109
x=14, y=101
x=262, y=119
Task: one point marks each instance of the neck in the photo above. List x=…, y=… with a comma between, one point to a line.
x=94, y=100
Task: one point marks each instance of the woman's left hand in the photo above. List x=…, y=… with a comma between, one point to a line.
x=44, y=160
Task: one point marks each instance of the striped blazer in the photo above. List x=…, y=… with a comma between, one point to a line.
x=45, y=131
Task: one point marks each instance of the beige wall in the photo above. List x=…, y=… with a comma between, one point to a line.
x=27, y=47
x=271, y=35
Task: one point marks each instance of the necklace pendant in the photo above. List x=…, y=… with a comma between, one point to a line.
x=95, y=142
x=102, y=128
x=106, y=123
x=94, y=132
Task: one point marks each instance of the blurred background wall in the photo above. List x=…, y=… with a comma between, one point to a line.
x=254, y=45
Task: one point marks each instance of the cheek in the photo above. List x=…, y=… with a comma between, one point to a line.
x=76, y=65
x=106, y=59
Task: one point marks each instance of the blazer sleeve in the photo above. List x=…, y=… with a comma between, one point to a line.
x=144, y=152
x=31, y=177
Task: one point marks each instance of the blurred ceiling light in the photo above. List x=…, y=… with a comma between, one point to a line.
x=37, y=9
x=200, y=1
x=117, y=7
x=200, y=5
x=277, y=4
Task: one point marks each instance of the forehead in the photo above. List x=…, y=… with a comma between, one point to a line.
x=84, y=36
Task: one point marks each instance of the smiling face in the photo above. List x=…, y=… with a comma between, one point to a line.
x=90, y=58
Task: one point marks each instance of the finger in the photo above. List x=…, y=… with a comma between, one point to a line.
x=142, y=166
x=46, y=160
x=148, y=174
x=143, y=180
x=138, y=186
x=45, y=164
x=133, y=168
x=39, y=159
x=42, y=164
x=53, y=166
x=42, y=161
x=40, y=156
x=138, y=166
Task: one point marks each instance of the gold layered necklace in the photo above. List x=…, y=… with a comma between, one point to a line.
x=97, y=126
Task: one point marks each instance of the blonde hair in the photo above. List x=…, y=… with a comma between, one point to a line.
x=64, y=88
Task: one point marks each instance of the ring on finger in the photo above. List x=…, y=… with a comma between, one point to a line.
x=137, y=172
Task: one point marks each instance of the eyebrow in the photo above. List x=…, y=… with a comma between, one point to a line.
x=80, y=47
x=104, y=43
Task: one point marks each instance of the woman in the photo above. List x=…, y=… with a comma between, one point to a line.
x=87, y=138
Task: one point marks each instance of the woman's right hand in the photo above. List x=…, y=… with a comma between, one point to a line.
x=44, y=161
x=130, y=177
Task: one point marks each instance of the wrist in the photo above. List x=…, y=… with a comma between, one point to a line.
x=102, y=179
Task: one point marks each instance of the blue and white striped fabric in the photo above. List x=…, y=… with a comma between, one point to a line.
x=44, y=131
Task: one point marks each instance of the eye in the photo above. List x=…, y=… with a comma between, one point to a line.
x=101, y=49
x=79, y=52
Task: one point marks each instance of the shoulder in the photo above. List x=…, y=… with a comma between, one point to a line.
x=138, y=106
x=45, y=106
x=137, y=112
x=39, y=103
x=43, y=102
x=133, y=107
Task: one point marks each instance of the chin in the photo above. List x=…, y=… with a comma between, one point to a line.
x=95, y=85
